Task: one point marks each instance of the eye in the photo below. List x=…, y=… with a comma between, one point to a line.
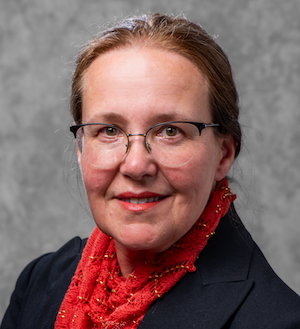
x=105, y=133
x=110, y=131
x=170, y=131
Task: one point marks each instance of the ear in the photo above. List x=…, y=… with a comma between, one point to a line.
x=228, y=146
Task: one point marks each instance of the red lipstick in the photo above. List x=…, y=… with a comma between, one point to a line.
x=128, y=195
x=138, y=202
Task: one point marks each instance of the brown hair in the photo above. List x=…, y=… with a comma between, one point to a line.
x=177, y=34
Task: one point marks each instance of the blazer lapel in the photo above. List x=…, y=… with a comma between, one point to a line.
x=208, y=297
x=190, y=306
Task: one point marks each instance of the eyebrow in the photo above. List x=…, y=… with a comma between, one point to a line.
x=165, y=117
x=113, y=117
x=107, y=117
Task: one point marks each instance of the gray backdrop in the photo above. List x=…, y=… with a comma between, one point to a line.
x=40, y=208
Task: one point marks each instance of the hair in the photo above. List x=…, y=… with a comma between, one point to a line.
x=177, y=34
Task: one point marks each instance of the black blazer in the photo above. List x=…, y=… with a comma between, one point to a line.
x=233, y=288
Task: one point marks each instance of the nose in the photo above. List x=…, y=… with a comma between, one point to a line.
x=138, y=162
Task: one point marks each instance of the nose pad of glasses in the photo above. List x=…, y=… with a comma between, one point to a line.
x=148, y=147
x=127, y=147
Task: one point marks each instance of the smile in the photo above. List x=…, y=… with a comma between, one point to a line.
x=142, y=200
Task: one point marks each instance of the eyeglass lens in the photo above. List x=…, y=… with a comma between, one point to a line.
x=171, y=144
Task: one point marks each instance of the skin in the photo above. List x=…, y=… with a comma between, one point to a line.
x=137, y=88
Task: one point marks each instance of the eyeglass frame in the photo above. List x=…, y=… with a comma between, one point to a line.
x=199, y=125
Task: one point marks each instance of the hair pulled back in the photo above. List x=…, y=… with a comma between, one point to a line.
x=174, y=33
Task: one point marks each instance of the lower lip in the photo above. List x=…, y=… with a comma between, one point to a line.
x=136, y=207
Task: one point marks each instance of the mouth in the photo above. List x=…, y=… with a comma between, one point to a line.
x=141, y=200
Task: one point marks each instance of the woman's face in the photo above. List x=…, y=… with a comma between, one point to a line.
x=136, y=89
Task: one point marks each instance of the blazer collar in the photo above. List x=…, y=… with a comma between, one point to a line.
x=227, y=256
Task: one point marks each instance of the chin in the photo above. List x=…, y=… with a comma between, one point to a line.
x=136, y=243
x=141, y=242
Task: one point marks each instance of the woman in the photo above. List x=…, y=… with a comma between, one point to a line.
x=156, y=126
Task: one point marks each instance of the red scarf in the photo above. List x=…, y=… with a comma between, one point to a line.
x=100, y=297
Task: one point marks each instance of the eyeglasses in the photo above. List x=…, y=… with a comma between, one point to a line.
x=172, y=144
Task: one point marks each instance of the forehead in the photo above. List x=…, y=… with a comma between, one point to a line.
x=138, y=81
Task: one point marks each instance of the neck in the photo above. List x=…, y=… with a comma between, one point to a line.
x=129, y=260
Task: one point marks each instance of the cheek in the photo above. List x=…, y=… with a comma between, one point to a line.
x=193, y=182
x=189, y=182
x=193, y=175
x=95, y=180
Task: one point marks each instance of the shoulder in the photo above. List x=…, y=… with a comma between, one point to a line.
x=54, y=267
x=270, y=296
x=55, y=263
x=41, y=287
x=233, y=258
x=233, y=287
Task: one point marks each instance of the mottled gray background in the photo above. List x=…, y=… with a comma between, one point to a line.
x=39, y=208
